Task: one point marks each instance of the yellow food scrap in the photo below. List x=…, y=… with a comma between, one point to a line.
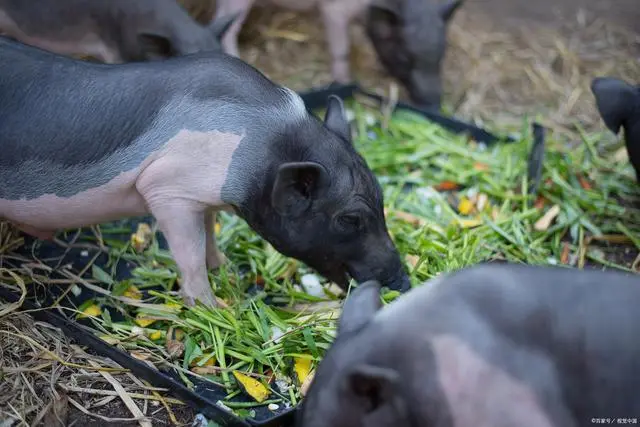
x=470, y=223
x=155, y=335
x=141, y=238
x=210, y=362
x=143, y=321
x=252, y=387
x=132, y=292
x=302, y=367
x=465, y=207
x=217, y=228
x=92, y=310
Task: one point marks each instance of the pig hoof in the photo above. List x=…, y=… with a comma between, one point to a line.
x=207, y=299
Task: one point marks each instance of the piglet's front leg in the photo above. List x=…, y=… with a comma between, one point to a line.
x=336, y=26
x=229, y=7
x=184, y=228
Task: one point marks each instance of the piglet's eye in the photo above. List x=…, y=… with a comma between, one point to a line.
x=349, y=222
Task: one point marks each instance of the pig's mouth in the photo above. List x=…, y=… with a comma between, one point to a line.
x=428, y=102
x=340, y=276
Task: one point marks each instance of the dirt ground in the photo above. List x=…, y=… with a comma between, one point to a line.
x=507, y=58
x=554, y=13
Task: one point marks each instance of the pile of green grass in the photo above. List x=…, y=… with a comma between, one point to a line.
x=485, y=214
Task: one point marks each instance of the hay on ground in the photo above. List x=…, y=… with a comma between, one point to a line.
x=46, y=380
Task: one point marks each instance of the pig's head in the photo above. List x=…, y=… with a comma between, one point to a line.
x=351, y=387
x=187, y=37
x=321, y=204
x=618, y=103
x=410, y=39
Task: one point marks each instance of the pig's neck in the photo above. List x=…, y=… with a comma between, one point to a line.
x=259, y=129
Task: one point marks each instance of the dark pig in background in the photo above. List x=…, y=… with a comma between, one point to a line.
x=618, y=103
x=409, y=37
x=112, y=31
x=495, y=345
x=85, y=143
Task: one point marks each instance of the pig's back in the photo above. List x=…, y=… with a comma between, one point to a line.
x=69, y=125
x=586, y=323
x=59, y=114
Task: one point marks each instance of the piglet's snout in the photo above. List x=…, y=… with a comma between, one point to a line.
x=425, y=88
x=382, y=263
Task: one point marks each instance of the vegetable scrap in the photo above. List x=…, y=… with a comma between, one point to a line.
x=252, y=387
x=91, y=310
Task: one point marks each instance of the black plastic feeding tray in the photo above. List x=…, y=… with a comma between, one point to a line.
x=204, y=396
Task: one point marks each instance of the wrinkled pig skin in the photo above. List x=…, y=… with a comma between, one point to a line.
x=111, y=31
x=409, y=37
x=618, y=103
x=494, y=345
x=85, y=143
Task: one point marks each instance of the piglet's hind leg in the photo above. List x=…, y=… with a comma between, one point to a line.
x=215, y=257
x=183, y=227
x=336, y=27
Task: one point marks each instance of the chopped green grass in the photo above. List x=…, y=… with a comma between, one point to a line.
x=261, y=333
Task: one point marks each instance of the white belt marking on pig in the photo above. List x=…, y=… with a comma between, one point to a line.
x=191, y=167
x=481, y=394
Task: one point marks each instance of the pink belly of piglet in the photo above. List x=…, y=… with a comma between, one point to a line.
x=46, y=214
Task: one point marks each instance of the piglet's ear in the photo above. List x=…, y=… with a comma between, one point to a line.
x=615, y=100
x=155, y=46
x=383, y=23
x=335, y=118
x=374, y=386
x=297, y=185
x=447, y=10
x=359, y=307
x=220, y=25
